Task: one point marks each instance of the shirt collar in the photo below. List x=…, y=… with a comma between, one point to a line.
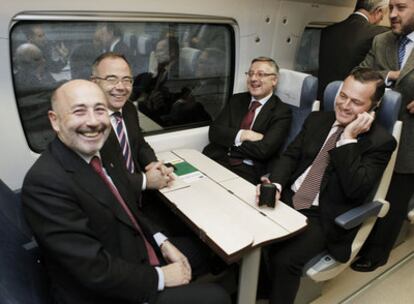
x=111, y=48
x=263, y=100
x=361, y=14
x=411, y=36
x=88, y=158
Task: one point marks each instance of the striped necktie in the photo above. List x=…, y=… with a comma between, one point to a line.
x=310, y=186
x=123, y=142
x=97, y=166
x=404, y=40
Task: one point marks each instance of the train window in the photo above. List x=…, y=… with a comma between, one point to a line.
x=307, y=57
x=182, y=71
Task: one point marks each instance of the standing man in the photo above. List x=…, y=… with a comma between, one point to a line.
x=330, y=168
x=344, y=45
x=97, y=246
x=253, y=126
x=112, y=72
x=392, y=55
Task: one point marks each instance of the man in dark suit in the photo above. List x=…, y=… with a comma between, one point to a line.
x=112, y=73
x=330, y=167
x=392, y=55
x=97, y=246
x=344, y=45
x=253, y=126
x=108, y=38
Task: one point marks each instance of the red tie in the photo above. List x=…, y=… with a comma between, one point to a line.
x=96, y=165
x=246, y=125
x=311, y=185
x=248, y=118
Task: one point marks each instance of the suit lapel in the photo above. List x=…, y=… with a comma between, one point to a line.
x=87, y=179
x=264, y=113
x=408, y=67
x=391, y=53
x=242, y=106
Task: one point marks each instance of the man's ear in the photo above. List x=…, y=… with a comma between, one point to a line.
x=53, y=118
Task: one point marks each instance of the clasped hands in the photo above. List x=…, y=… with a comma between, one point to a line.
x=178, y=271
x=158, y=175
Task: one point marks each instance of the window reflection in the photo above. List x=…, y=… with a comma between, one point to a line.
x=181, y=70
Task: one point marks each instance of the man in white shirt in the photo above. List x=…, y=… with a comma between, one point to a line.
x=329, y=168
x=253, y=126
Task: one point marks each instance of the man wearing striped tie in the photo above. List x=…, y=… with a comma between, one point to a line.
x=329, y=168
x=112, y=72
x=392, y=55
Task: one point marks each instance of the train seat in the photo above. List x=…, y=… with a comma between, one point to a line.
x=298, y=90
x=22, y=277
x=188, y=61
x=324, y=267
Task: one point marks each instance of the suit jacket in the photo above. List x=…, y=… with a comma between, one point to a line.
x=273, y=121
x=350, y=177
x=383, y=56
x=142, y=152
x=343, y=46
x=90, y=247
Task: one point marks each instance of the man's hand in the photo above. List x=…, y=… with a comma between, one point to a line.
x=249, y=135
x=265, y=180
x=178, y=272
x=410, y=107
x=158, y=175
x=360, y=125
x=393, y=75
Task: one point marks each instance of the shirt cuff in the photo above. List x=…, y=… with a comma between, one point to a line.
x=144, y=181
x=278, y=187
x=161, y=280
x=343, y=142
x=388, y=82
x=159, y=238
x=237, y=141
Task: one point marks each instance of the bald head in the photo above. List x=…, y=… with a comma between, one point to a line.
x=28, y=55
x=79, y=116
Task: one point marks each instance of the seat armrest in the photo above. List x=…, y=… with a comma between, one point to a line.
x=357, y=215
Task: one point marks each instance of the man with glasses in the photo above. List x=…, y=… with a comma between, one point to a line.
x=112, y=72
x=253, y=126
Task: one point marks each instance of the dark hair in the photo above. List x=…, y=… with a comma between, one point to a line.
x=365, y=75
x=103, y=56
x=269, y=60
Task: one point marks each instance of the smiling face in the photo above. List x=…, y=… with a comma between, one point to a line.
x=116, y=94
x=80, y=116
x=355, y=97
x=260, y=87
x=401, y=16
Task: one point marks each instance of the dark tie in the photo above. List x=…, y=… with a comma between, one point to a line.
x=248, y=118
x=401, y=49
x=126, y=150
x=311, y=184
x=246, y=125
x=97, y=166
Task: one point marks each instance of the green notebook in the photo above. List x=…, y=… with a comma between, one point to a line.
x=183, y=168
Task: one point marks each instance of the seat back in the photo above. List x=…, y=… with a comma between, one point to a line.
x=22, y=277
x=188, y=61
x=298, y=90
x=324, y=267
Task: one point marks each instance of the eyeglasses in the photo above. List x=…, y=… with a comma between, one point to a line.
x=113, y=80
x=259, y=74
